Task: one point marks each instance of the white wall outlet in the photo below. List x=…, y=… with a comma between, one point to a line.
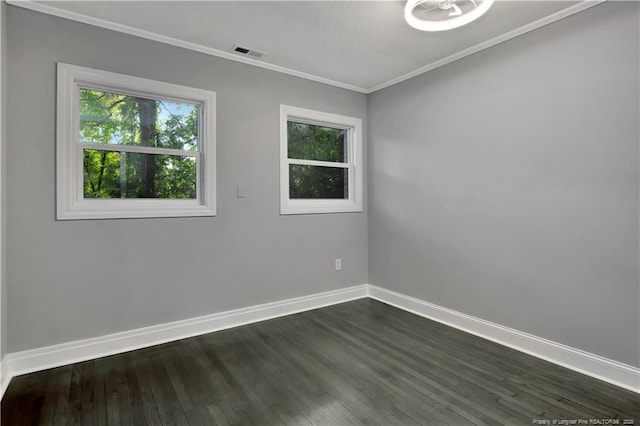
x=338, y=264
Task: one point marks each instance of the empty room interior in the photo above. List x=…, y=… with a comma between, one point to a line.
x=320, y=212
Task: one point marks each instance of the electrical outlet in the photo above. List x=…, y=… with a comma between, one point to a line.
x=338, y=264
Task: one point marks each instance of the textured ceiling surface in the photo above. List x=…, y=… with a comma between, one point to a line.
x=358, y=43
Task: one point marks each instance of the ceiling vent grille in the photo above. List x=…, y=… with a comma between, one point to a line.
x=248, y=52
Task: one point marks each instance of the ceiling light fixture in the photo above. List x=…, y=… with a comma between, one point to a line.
x=441, y=15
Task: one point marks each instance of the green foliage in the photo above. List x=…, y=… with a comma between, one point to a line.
x=115, y=119
x=111, y=174
x=311, y=142
x=317, y=182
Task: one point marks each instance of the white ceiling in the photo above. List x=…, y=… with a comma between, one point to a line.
x=360, y=45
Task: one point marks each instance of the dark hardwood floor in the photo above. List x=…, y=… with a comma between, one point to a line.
x=361, y=362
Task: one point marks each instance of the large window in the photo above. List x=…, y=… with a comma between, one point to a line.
x=321, y=162
x=133, y=147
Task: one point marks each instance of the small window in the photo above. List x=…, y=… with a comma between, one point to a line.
x=133, y=147
x=321, y=162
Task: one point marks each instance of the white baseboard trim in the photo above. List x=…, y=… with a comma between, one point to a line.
x=605, y=369
x=32, y=360
x=4, y=376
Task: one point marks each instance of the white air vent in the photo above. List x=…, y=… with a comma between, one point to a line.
x=248, y=52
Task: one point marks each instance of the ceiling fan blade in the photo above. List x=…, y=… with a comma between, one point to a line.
x=455, y=10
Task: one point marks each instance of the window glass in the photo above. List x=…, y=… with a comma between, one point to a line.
x=311, y=142
x=112, y=174
x=317, y=182
x=113, y=118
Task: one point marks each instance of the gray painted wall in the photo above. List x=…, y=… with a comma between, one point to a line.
x=80, y=279
x=505, y=185
x=3, y=183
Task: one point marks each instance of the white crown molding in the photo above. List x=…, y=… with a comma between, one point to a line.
x=61, y=13
x=601, y=368
x=585, y=4
x=51, y=10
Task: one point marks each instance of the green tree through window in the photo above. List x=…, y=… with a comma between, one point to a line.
x=117, y=119
x=318, y=143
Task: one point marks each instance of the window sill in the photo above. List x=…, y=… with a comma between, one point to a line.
x=319, y=207
x=96, y=209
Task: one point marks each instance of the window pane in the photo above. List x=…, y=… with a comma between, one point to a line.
x=310, y=142
x=318, y=182
x=113, y=118
x=112, y=174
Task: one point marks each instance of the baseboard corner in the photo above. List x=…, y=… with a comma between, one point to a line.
x=610, y=371
x=5, y=377
x=616, y=373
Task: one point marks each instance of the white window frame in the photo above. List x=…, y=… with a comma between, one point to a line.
x=354, y=164
x=71, y=203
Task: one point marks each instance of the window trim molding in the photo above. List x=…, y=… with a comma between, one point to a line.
x=354, y=164
x=70, y=204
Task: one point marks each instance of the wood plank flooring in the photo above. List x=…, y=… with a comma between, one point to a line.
x=361, y=362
